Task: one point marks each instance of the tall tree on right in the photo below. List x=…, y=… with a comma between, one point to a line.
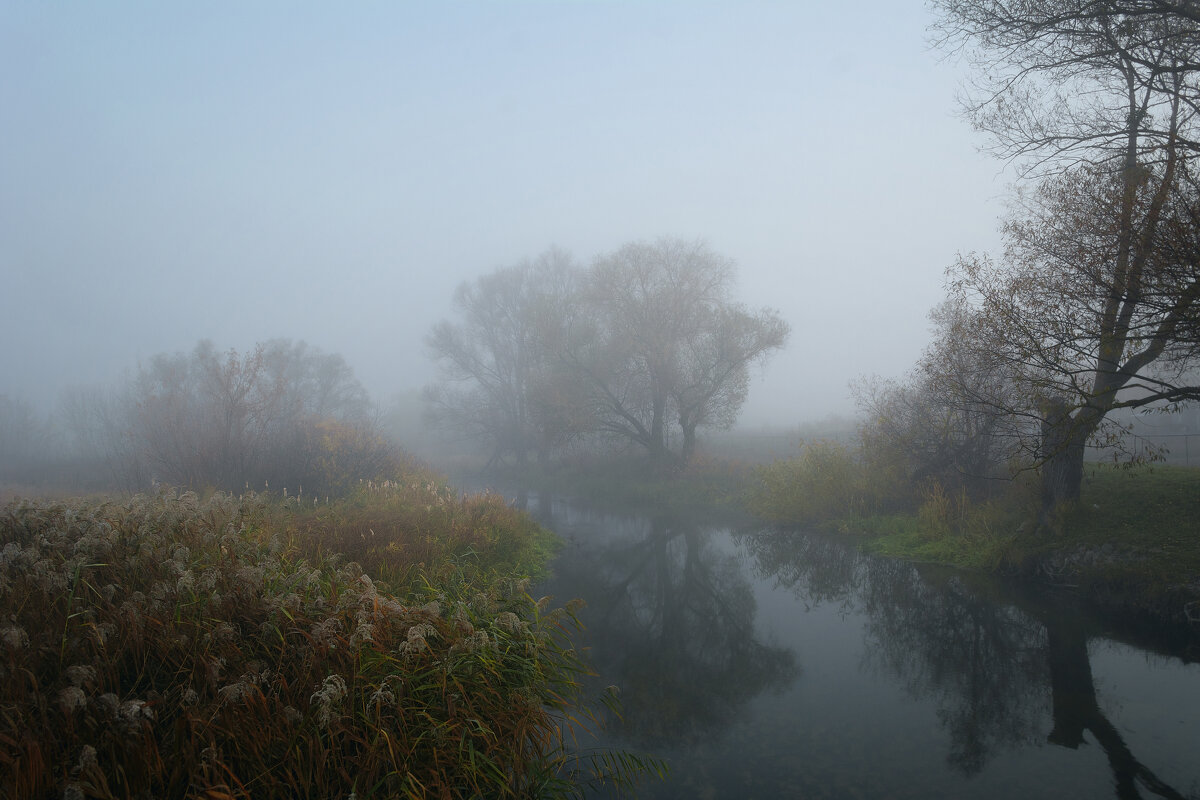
x=1095, y=302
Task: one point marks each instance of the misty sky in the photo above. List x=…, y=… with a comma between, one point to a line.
x=330, y=172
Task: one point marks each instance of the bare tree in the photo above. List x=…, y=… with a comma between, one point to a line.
x=501, y=383
x=952, y=419
x=310, y=384
x=713, y=376
x=98, y=424
x=1061, y=82
x=644, y=340
x=661, y=341
x=1081, y=330
x=201, y=418
x=25, y=441
x=1096, y=301
x=283, y=414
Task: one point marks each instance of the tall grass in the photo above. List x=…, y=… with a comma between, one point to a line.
x=401, y=531
x=245, y=648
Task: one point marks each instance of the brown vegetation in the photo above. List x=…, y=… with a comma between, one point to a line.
x=170, y=647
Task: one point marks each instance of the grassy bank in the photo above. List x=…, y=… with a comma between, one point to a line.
x=1153, y=512
x=255, y=647
x=1133, y=539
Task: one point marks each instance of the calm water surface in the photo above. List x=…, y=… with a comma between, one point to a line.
x=772, y=664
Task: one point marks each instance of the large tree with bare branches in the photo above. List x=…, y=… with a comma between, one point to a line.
x=660, y=342
x=1095, y=302
x=502, y=384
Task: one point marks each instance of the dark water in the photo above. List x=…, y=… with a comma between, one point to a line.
x=771, y=664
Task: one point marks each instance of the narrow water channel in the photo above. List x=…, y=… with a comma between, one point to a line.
x=772, y=664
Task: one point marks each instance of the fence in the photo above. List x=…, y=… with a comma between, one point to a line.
x=1178, y=449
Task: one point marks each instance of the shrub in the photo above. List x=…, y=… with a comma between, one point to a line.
x=943, y=514
x=825, y=481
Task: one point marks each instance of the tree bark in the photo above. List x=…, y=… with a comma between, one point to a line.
x=689, y=443
x=1063, y=440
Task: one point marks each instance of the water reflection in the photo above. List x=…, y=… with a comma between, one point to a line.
x=671, y=620
x=994, y=660
x=918, y=682
x=1076, y=710
x=983, y=662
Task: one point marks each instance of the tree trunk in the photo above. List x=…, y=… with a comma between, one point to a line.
x=660, y=456
x=658, y=427
x=1063, y=439
x=689, y=444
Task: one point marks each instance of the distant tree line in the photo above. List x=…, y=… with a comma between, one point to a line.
x=283, y=415
x=27, y=446
x=643, y=348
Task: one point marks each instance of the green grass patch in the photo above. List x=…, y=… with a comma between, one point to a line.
x=1136, y=525
x=1137, y=505
x=906, y=536
x=1133, y=537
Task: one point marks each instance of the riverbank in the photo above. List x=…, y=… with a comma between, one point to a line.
x=259, y=646
x=1132, y=543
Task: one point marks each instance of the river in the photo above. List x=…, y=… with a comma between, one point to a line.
x=765, y=663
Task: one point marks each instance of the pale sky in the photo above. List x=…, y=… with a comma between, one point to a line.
x=330, y=172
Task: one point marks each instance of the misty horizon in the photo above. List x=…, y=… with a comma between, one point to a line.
x=174, y=175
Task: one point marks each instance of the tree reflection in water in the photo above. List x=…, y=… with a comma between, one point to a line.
x=671, y=621
x=996, y=661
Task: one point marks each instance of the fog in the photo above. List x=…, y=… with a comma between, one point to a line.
x=176, y=172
